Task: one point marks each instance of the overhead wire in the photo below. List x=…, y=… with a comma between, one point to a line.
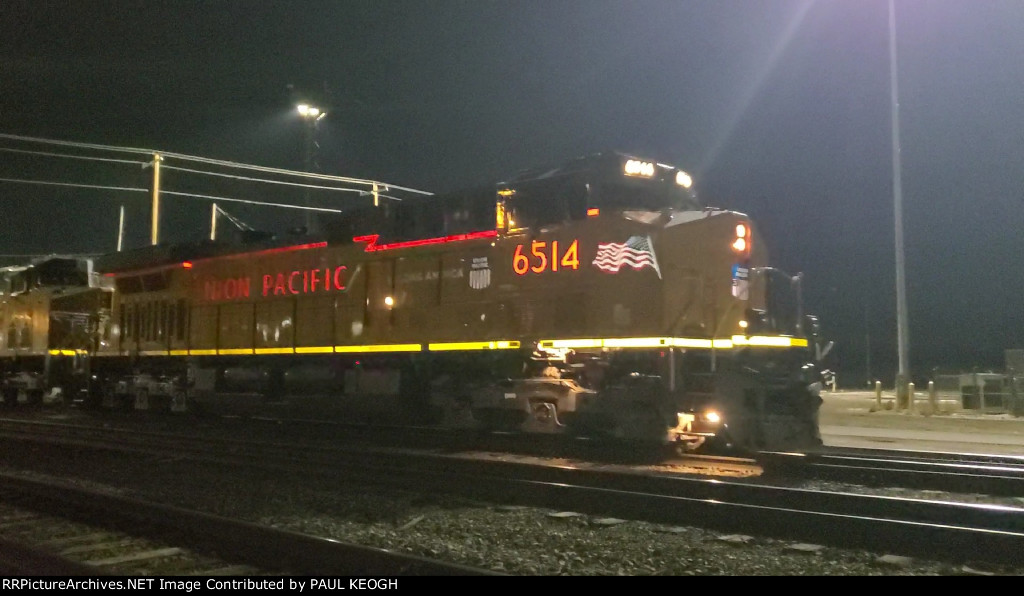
x=246, y=201
x=211, y=161
x=169, y=192
x=365, y=188
x=75, y=184
x=265, y=180
x=66, y=156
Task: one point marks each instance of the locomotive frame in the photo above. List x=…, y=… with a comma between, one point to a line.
x=598, y=297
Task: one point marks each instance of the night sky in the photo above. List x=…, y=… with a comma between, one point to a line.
x=780, y=108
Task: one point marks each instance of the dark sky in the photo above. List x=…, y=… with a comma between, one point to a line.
x=780, y=109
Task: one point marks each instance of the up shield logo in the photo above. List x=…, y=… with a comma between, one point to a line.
x=479, y=273
x=740, y=282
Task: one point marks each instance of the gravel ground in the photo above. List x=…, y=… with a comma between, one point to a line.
x=515, y=540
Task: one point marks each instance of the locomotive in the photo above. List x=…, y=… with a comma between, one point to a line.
x=597, y=298
x=49, y=313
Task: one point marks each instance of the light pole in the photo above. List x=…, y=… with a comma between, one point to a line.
x=311, y=115
x=902, y=375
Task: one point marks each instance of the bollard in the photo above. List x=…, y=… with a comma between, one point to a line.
x=933, y=398
x=1018, y=406
x=878, y=395
x=1015, y=405
x=910, y=397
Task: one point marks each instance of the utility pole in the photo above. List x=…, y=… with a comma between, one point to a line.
x=154, y=235
x=902, y=375
x=120, y=230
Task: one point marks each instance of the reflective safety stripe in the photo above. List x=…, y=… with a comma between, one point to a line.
x=684, y=342
x=571, y=343
x=777, y=341
x=769, y=341
x=474, y=345
x=274, y=350
x=314, y=350
x=378, y=348
x=675, y=342
x=638, y=342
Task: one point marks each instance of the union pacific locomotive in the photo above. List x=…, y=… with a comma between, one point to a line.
x=598, y=297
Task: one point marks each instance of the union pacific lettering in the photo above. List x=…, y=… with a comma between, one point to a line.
x=282, y=283
x=226, y=289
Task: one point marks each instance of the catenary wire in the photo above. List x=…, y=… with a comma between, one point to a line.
x=207, y=160
x=75, y=184
x=246, y=201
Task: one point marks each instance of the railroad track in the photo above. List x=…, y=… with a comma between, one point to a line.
x=944, y=472
x=998, y=475
x=339, y=432
x=53, y=528
x=915, y=527
x=37, y=543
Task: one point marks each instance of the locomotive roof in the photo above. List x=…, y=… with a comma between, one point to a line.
x=165, y=254
x=600, y=161
x=44, y=262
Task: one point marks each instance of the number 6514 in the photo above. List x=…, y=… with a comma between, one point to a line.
x=541, y=257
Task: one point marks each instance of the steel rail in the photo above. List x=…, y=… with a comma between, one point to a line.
x=929, y=528
x=244, y=542
x=995, y=475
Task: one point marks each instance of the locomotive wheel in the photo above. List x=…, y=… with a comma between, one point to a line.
x=544, y=412
x=684, y=448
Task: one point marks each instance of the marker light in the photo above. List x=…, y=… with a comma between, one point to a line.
x=635, y=167
x=742, y=242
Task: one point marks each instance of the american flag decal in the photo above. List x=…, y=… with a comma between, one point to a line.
x=637, y=253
